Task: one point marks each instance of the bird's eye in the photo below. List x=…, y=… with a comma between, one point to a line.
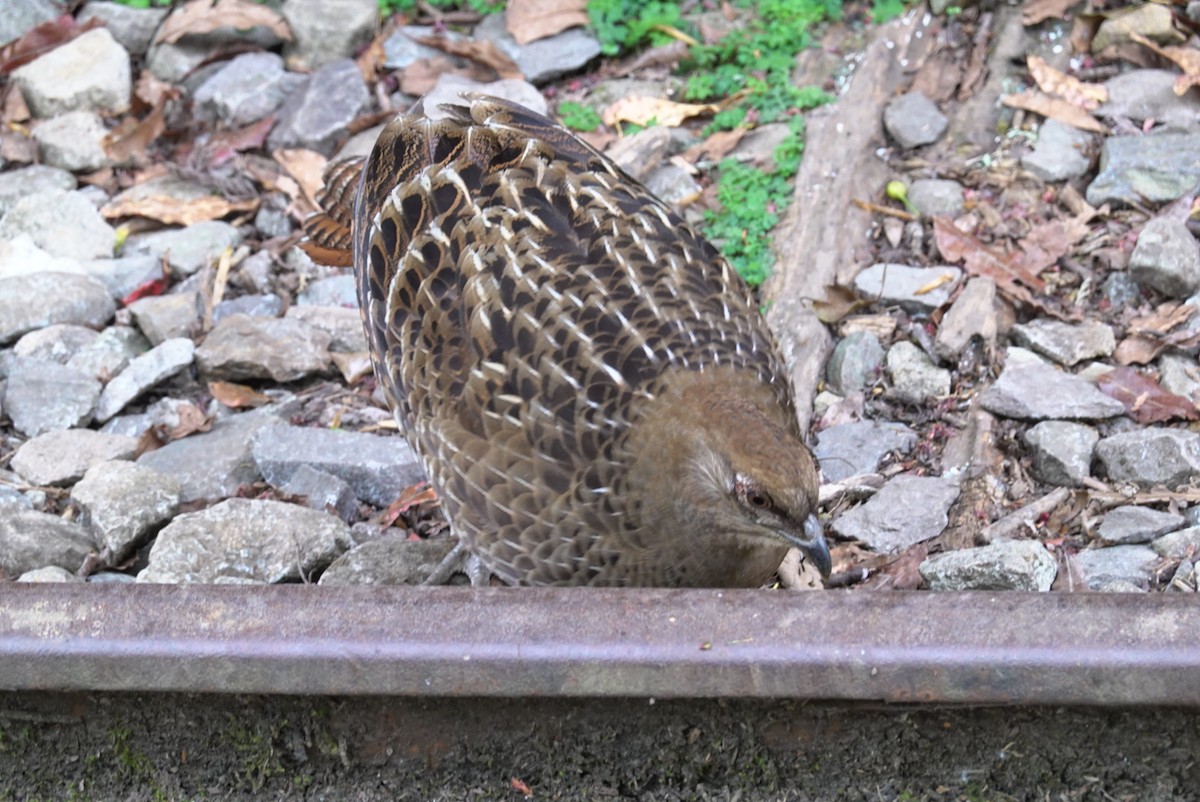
x=758, y=501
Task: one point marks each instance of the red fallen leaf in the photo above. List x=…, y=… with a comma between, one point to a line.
x=41, y=40
x=155, y=286
x=1144, y=399
x=411, y=497
x=520, y=787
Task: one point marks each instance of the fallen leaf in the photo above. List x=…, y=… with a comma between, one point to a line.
x=901, y=572
x=41, y=39
x=1074, y=91
x=422, y=75
x=205, y=16
x=1188, y=59
x=642, y=109
x=1144, y=399
x=837, y=303
x=411, y=496
x=530, y=20
x=177, y=211
x=223, y=144
x=307, y=167
x=152, y=91
x=715, y=147
x=1036, y=11
x=481, y=52
x=355, y=365
x=129, y=143
x=15, y=109
x=520, y=787
x=237, y=396
x=1151, y=335
x=980, y=259
x=667, y=55
x=147, y=289
x=1056, y=109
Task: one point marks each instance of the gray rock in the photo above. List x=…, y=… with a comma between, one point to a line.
x=261, y=541
x=1140, y=95
x=133, y=28
x=1008, y=565
x=1062, y=452
x=272, y=219
x=856, y=363
x=18, y=16
x=187, y=249
x=63, y=457
x=51, y=573
x=1133, y=524
x=905, y=511
x=318, y=116
x=1101, y=567
x=21, y=256
x=1153, y=169
x=158, y=364
x=609, y=91
x=915, y=378
x=175, y=61
x=62, y=224
x=1033, y=390
x=30, y=540
x=402, y=47
x=166, y=413
x=971, y=316
x=333, y=291
x=1179, y=375
x=123, y=504
x=323, y=491
x=1151, y=456
x=244, y=347
x=166, y=317
x=109, y=353
x=110, y=578
x=253, y=305
x=10, y=496
x=90, y=72
x=543, y=60
x=1062, y=152
x=913, y=120
x=73, y=141
x=377, y=468
x=936, y=196
x=123, y=276
x=56, y=343
x=344, y=326
x=758, y=146
x=245, y=89
x=1180, y=544
x=388, y=561
x=1065, y=343
x=1166, y=258
x=41, y=397
x=899, y=284
x=32, y=180
x=326, y=30
x=849, y=449
x=1120, y=290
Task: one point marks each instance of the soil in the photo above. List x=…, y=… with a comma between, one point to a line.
x=171, y=747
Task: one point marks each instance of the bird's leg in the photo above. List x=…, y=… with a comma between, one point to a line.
x=460, y=560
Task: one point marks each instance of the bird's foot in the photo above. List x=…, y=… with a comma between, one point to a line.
x=460, y=560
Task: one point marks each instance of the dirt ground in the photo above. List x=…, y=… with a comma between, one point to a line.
x=171, y=747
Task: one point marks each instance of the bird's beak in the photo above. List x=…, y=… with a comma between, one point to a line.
x=811, y=542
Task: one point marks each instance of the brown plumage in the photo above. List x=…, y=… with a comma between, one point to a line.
x=593, y=391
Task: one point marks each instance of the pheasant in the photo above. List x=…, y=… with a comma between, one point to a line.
x=591, y=387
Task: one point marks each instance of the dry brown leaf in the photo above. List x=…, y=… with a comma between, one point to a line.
x=837, y=303
x=716, y=147
x=41, y=40
x=177, y=211
x=1144, y=399
x=1187, y=58
x=422, y=75
x=205, y=16
x=667, y=55
x=152, y=91
x=15, y=109
x=642, y=109
x=129, y=142
x=1036, y=11
x=237, y=395
x=480, y=52
x=980, y=259
x=1074, y=91
x=1151, y=335
x=307, y=167
x=530, y=20
x=1056, y=109
x=191, y=419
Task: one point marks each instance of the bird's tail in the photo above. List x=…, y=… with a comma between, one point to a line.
x=328, y=231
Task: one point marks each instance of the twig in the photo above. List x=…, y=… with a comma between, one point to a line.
x=1009, y=524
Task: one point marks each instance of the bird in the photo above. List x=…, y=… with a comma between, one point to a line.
x=593, y=390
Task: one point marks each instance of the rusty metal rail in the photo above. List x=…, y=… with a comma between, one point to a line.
x=984, y=648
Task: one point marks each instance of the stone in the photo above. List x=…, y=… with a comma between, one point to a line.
x=253, y=305
x=913, y=120
x=124, y=275
x=1065, y=343
x=344, y=326
x=123, y=504
x=326, y=30
x=856, y=363
x=166, y=414
x=30, y=540
x=376, y=468
x=322, y=491
x=332, y=291
x=62, y=224
x=272, y=219
x=1133, y=524
x=246, y=89
x=73, y=141
x=109, y=352
x=282, y=349
x=32, y=180
x=18, y=17
x=133, y=28
x=1030, y=389
x=51, y=573
x=1141, y=95
x=1120, y=290
x=936, y=197
x=1151, y=456
x=402, y=48
x=1062, y=452
x=972, y=316
x=41, y=397
x=673, y=185
x=62, y=457
x=55, y=343
x=91, y=72
x=1167, y=258
x=543, y=60
x=915, y=379
x=318, y=116
x=1180, y=544
x=1151, y=21
x=388, y=561
x=166, y=317
x=187, y=249
x=1179, y=375
x=907, y=510
x=261, y=541
x=1008, y=565
x=156, y=365
x=1150, y=169
x=902, y=284
x=1100, y=567
x=849, y=449
x=1062, y=152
